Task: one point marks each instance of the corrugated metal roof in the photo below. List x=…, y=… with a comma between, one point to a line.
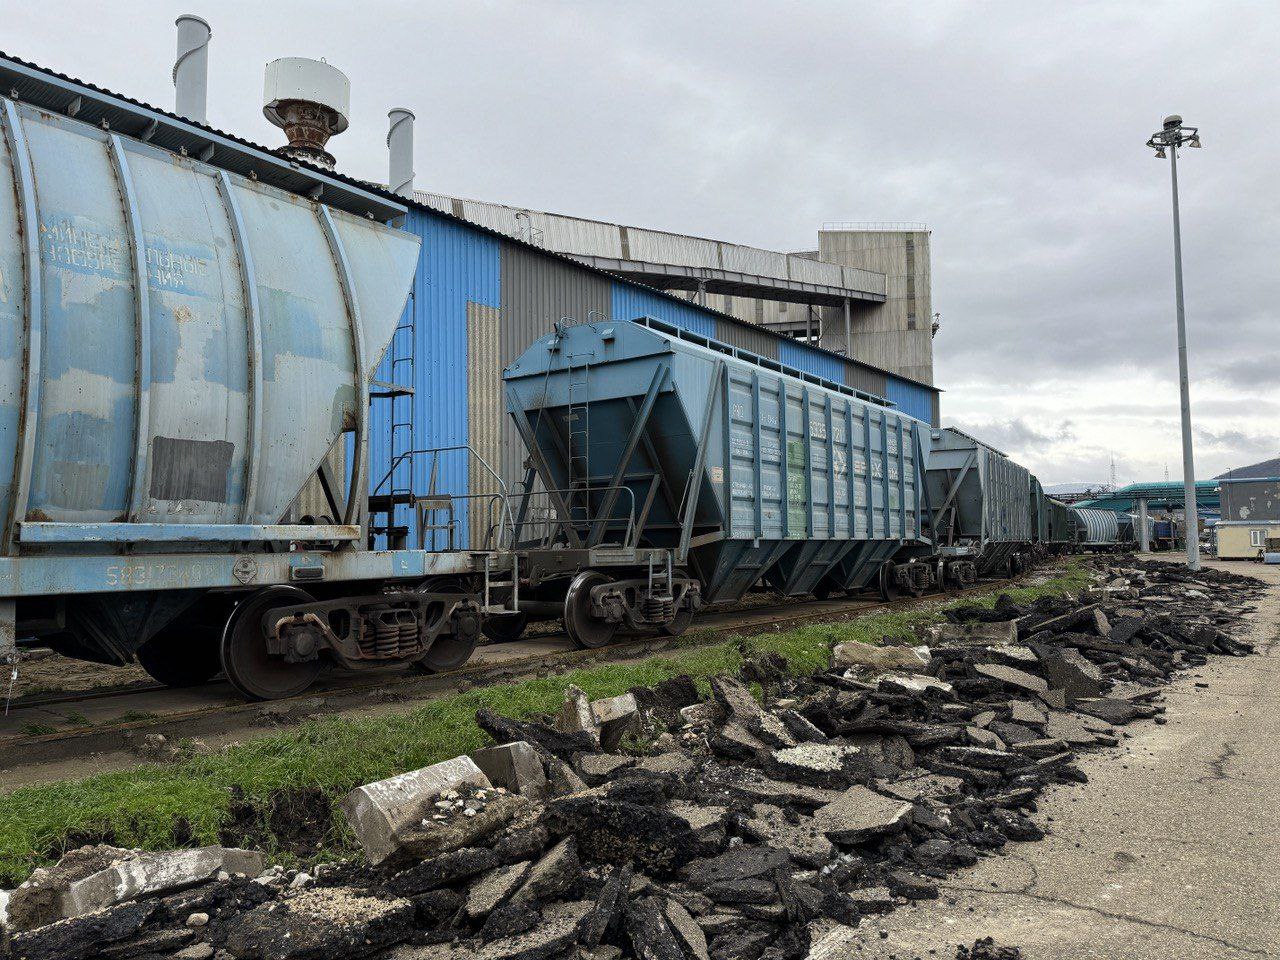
x=59, y=92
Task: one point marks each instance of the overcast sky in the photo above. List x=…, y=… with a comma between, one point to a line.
x=1015, y=130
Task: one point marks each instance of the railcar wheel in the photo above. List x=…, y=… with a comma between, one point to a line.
x=504, y=627
x=889, y=589
x=584, y=629
x=251, y=670
x=451, y=650
x=182, y=654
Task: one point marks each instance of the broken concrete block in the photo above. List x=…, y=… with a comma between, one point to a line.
x=36, y=902
x=607, y=908
x=377, y=811
x=860, y=815
x=1012, y=733
x=1067, y=728
x=915, y=684
x=328, y=922
x=736, y=742
x=553, y=875
x=754, y=786
x=446, y=869
x=771, y=730
x=735, y=698
x=615, y=717
x=737, y=863
x=706, y=824
x=673, y=764
x=801, y=836
x=1117, y=712
x=1069, y=671
x=854, y=654
x=494, y=889
x=455, y=828
x=978, y=633
x=701, y=714
x=981, y=737
x=596, y=768
x=548, y=741
x=800, y=728
x=1022, y=712
x=515, y=767
x=686, y=930
x=983, y=758
x=149, y=874
x=615, y=831
x=562, y=779
x=1101, y=624
x=818, y=764
x=576, y=717
x=1013, y=677
x=648, y=930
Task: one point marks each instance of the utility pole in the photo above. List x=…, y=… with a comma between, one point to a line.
x=1166, y=141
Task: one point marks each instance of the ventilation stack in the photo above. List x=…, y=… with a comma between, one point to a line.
x=311, y=102
x=400, y=151
x=191, y=68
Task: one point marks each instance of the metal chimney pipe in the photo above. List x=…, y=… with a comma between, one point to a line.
x=191, y=69
x=400, y=151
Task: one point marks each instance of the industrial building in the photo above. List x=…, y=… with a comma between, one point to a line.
x=1250, y=524
x=480, y=295
x=865, y=292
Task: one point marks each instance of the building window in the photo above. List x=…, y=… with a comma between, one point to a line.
x=1257, y=538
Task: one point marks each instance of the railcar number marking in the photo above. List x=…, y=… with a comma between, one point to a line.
x=158, y=573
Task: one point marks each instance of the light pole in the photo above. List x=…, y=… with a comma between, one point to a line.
x=1166, y=141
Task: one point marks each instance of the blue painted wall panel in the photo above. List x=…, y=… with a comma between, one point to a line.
x=911, y=399
x=631, y=303
x=458, y=266
x=805, y=358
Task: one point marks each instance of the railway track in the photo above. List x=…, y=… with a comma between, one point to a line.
x=214, y=711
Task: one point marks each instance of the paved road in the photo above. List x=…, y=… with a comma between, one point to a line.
x=1172, y=852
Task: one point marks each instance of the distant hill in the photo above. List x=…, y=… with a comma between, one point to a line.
x=1267, y=468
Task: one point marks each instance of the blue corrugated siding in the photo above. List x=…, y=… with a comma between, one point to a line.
x=457, y=266
x=632, y=303
x=911, y=399
x=804, y=358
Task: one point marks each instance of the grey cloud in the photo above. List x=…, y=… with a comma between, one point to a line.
x=1254, y=370
x=1015, y=130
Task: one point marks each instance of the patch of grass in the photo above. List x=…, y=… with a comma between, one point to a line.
x=37, y=729
x=140, y=807
x=136, y=716
x=76, y=719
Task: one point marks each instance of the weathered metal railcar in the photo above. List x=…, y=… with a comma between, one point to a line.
x=673, y=470
x=1057, y=527
x=1095, y=529
x=181, y=348
x=981, y=514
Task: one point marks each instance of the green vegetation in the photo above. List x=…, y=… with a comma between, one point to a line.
x=145, y=806
x=136, y=716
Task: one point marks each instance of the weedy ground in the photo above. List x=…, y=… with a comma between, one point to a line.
x=157, y=806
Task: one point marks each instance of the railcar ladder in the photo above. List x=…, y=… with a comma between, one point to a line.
x=390, y=507
x=579, y=424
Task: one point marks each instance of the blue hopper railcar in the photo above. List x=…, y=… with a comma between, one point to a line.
x=668, y=470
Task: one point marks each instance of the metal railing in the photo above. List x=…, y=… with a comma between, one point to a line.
x=538, y=523
x=878, y=226
x=499, y=526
